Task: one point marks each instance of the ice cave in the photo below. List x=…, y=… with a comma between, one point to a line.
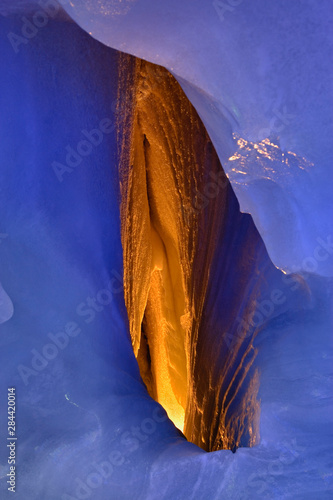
x=166, y=249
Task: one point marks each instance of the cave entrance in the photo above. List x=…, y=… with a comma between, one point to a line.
x=180, y=224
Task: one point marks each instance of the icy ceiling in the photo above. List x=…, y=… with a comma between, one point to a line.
x=255, y=71
x=253, y=74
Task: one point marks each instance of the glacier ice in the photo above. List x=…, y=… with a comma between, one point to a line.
x=257, y=71
x=86, y=425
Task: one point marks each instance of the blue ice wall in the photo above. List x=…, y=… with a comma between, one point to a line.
x=61, y=262
x=86, y=427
